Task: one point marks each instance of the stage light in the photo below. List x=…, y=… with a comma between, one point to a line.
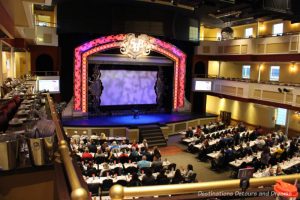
x=280, y=90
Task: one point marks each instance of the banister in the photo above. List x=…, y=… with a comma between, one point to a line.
x=118, y=192
x=78, y=192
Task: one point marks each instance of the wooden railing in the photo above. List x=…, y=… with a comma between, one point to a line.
x=78, y=191
x=118, y=192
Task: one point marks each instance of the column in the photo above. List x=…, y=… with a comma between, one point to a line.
x=219, y=70
x=12, y=62
x=259, y=69
x=27, y=57
x=287, y=122
x=1, y=71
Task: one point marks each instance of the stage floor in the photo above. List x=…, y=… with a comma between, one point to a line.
x=129, y=121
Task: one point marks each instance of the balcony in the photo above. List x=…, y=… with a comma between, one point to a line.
x=281, y=44
x=46, y=34
x=280, y=93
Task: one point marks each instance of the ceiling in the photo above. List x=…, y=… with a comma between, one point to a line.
x=220, y=13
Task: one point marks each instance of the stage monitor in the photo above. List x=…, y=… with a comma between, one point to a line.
x=48, y=83
x=201, y=85
x=128, y=87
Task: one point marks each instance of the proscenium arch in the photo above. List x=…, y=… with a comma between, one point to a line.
x=114, y=41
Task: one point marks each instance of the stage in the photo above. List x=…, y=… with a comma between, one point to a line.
x=131, y=122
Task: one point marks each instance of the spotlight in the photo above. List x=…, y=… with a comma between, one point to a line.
x=286, y=90
x=280, y=90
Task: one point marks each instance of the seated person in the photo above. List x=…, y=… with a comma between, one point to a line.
x=103, y=136
x=156, y=152
x=134, y=155
x=148, y=178
x=279, y=151
x=198, y=132
x=178, y=178
x=248, y=150
x=135, y=144
x=147, y=154
x=145, y=143
x=189, y=133
x=115, y=148
x=144, y=163
x=92, y=147
x=135, y=181
x=123, y=154
x=99, y=153
x=87, y=154
x=94, y=137
x=105, y=169
x=156, y=163
x=279, y=171
x=162, y=179
x=189, y=175
x=91, y=170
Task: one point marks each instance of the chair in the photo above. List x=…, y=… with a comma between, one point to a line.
x=100, y=159
x=124, y=159
x=94, y=188
x=192, y=178
x=131, y=170
x=122, y=182
x=106, y=185
x=157, y=168
x=104, y=173
x=172, y=166
x=117, y=170
x=92, y=171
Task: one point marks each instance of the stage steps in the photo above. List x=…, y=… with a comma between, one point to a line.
x=153, y=135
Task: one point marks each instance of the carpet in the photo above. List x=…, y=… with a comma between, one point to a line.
x=170, y=150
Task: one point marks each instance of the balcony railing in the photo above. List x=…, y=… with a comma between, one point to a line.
x=78, y=191
x=118, y=192
x=287, y=43
x=276, y=92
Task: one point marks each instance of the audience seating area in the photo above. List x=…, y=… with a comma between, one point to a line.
x=104, y=163
x=237, y=148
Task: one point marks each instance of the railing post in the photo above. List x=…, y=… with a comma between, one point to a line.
x=116, y=192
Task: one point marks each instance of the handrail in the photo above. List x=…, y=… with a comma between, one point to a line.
x=118, y=192
x=78, y=192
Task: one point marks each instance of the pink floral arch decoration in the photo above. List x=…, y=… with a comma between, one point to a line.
x=110, y=42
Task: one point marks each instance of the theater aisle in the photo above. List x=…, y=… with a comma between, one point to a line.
x=175, y=153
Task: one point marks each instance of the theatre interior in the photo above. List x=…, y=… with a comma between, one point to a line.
x=149, y=99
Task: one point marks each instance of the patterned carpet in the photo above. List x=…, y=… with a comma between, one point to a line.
x=170, y=150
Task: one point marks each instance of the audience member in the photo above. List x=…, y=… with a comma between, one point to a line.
x=156, y=153
x=87, y=154
x=148, y=178
x=156, y=163
x=189, y=133
x=178, y=178
x=144, y=163
x=135, y=181
x=161, y=178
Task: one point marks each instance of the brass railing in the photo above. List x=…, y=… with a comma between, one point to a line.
x=78, y=192
x=118, y=192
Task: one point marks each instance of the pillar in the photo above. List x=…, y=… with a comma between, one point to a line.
x=1, y=66
x=287, y=122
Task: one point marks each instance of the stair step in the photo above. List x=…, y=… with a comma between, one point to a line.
x=149, y=130
x=155, y=139
x=151, y=134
